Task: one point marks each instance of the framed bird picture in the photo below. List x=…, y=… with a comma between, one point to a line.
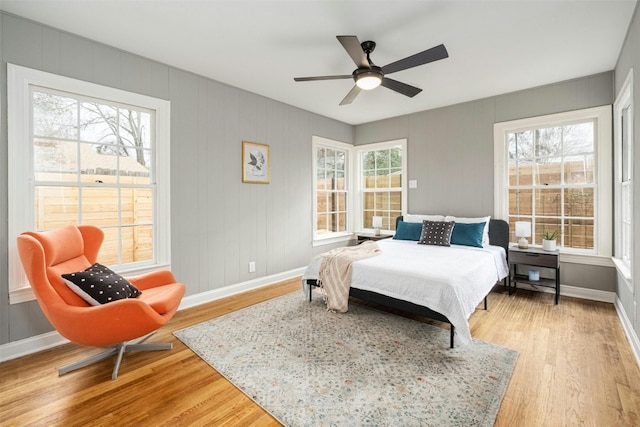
x=256, y=164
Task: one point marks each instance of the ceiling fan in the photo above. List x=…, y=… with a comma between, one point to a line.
x=369, y=76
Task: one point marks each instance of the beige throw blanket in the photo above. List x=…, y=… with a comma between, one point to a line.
x=335, y=272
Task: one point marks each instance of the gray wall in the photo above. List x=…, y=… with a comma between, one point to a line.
x=450, y=152
x=630, y=58
x=218, y=224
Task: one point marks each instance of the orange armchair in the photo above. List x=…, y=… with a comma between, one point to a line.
x=120, y=325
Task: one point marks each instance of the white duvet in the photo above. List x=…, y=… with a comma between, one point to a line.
x=450, y=280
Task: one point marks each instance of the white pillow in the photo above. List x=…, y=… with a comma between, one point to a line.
x=420, y=218
x=485, y=219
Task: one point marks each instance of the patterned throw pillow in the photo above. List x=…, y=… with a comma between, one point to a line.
x=436, y=233
x=99, y=285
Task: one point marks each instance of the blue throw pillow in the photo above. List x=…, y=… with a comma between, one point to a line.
x=408, y=231
x=467, y=234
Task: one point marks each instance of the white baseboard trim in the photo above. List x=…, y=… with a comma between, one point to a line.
x=627, y=326
x=37, y=343
x=238, y=288
x=30, y=345
x=574, y=291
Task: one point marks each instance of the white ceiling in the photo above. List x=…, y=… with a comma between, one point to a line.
x=260, y=45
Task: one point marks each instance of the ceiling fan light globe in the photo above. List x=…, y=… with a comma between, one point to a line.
x=368, y=82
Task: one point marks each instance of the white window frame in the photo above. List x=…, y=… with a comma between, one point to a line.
x=21, y=174
x=336, y=237
x=623, y=254
x=601, y=254
x=359, y=151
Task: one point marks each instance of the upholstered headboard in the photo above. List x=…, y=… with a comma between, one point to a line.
x=498, y=232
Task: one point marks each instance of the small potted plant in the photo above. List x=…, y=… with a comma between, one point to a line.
x=549, y=239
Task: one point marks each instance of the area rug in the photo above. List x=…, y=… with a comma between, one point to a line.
x=307, y=366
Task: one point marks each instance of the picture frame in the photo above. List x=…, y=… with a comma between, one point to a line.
x=256, y=163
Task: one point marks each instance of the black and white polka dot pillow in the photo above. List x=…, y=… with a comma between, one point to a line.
x=436, y=233
x=99, y=285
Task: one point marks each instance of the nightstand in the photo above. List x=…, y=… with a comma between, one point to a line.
x=534, y=257
x=370, y=236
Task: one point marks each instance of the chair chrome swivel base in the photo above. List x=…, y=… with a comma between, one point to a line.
x=135, y=345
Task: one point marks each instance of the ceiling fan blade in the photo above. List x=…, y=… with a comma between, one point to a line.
x=400, y=87
x=309, y=79
x=351, y=95
x=352, y=45
x=429, y=55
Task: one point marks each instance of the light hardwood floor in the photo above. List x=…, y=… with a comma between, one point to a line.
x=575, y=368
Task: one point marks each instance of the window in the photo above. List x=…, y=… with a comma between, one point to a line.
x=331, y=183
x=554, y=171
x=92, y=155
x=381, y=172
x=380, y=187
x=623, y=148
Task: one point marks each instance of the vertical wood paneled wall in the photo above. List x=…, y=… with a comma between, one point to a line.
x=218, y=224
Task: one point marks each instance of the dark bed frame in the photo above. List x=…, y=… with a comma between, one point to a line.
x=498, y=236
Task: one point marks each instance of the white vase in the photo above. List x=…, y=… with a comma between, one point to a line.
x=549, y=245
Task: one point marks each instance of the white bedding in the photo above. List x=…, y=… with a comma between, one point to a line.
x=450, y=280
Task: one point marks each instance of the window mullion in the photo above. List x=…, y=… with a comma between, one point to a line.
x=79, y=166
x=334, y=214
x=560, y=158
x=40, y=110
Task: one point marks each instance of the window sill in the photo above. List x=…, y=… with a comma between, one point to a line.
x=598, y=260
x=622, y=268
x=341, y=238
x=25, y=293
x=16, y=296
x=133, y=271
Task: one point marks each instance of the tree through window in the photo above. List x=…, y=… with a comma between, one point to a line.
x=555, y=172
x=551, y=182
x=92, y=164
x=84, y=153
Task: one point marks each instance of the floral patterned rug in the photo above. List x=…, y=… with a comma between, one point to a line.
x=310, y=367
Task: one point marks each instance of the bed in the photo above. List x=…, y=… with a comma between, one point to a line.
x=441, y=283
